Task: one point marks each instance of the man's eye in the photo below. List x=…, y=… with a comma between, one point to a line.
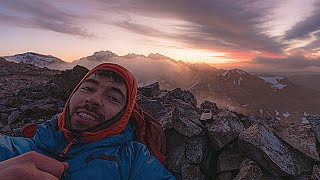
x=113, y=99
x=89, y=89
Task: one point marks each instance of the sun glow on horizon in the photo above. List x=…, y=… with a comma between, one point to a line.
x=195, y=55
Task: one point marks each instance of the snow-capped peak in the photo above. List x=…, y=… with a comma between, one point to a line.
x=99, y=56
x=233, y=71
x=33, y=58
x=103, y=54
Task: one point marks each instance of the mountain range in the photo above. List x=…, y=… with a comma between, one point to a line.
x=288, y=98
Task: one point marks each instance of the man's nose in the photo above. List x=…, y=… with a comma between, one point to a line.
x=94, y=99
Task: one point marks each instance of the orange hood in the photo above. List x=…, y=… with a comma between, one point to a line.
x=120, y=125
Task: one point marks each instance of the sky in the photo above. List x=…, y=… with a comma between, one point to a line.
x=268, y=35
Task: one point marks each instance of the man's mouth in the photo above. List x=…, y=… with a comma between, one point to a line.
x=87, y=116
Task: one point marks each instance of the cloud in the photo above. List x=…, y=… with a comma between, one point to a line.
x=296, y=62
x=306, y=27
x=211, y=24
x=41, y=14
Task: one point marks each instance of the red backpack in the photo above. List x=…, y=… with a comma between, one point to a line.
x=147, y=131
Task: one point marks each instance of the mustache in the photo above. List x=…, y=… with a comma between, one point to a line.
x=89, y=108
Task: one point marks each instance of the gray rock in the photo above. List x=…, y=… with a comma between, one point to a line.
x=267, y=150
x=176, y=161
x=316, y=172
x=303, y=163
x=185, y=96
x=8, y=110
x=25, y=107
x=304, y=177
x=165, y=117
x=225, y=176
x=151, y=106
x=224, y=128
x=186, y=120
x=13, y=117
x=229, y=159
x=195, y=148
x=298, y=137
x=210, y=105
x=6, y=129
x=1, y=121
x=151, y=90
x=249, y=170
x=315, y=125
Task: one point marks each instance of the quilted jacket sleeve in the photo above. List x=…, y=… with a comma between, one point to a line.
x=148, y=167
x=14, y=146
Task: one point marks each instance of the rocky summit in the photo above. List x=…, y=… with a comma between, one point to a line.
x=226, y=145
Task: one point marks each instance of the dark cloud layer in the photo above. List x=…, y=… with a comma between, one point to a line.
x=290, y=62
x=43, y=15
x=215, y=24
x=304, y=28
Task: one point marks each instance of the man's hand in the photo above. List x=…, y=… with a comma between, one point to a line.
x=32, y=165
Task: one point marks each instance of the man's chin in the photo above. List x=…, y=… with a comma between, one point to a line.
x=81, y=124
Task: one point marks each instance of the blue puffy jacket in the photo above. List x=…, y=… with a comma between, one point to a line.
x=115, y=157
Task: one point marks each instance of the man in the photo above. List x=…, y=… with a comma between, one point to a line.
x=92, y=134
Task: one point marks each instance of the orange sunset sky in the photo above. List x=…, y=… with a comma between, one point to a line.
x=282, y=34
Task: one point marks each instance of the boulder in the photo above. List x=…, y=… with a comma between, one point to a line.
x=151, y=106
x=185, y=96
x=230, y=159
x=151, y=90
x=316, y=172
x=224, y=128
x=303, y=164
x=299, y=137
x=315, y=125
x=176, y=160
x=186, y=120
x=13, y=117
x=267, y=150
x=194, y=149
x=210, y=105
x=249, y=170
x=165, y=117
x=225, y=176
x=6, y=129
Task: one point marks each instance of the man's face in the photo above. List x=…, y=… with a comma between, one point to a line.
x=97, y=100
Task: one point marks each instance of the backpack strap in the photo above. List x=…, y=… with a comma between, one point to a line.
x=150, y=133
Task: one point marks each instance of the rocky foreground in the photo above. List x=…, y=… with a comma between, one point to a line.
x=240, y=147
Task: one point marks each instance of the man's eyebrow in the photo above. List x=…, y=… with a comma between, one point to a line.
x=118, y=91
x=92, y=81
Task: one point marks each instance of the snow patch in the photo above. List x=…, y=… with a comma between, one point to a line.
x=286, y=114
x=304, y=121
x=274, y=81
x=261, y=111
x=224, y=74
x=240, y=79
x=192, y=85
x=231, y=108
